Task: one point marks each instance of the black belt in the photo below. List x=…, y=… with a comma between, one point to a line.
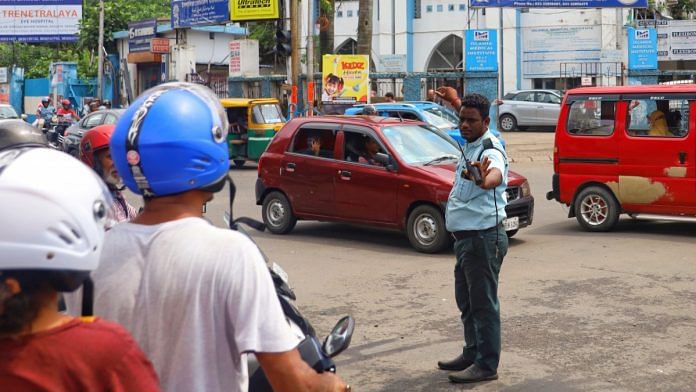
x=462, y=234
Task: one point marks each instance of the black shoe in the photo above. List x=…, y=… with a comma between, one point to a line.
x=459, y=363
x=473, y=374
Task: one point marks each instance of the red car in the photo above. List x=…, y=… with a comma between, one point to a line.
x=376, y=171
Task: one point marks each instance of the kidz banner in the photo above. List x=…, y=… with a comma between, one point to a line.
x=40, y=21
x=481, y=48
x=254, y=9
x=561, y=3
x=345, y=79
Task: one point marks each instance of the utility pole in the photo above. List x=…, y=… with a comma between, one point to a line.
x=100, y=49
x=501, y=68
x=295, y=42
x=310, y=57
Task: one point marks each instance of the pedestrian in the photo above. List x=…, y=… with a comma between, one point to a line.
x=390, y=97
x=197, y=298
x=474, y=216
x=95, y=153
x=58, y=210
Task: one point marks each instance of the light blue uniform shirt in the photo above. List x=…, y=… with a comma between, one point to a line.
x=469, y=207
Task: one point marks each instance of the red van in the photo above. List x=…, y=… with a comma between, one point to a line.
x=375, y=171
x=629, y=149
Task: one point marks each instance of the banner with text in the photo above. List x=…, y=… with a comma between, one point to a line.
x=40, y=21
x=545, y=48
x=561, y=3
x=140, y=33
x=254, y=9
x=345, y=79
x=187, y=13
x=642, y=48
x=481, y=49
x=676, y=39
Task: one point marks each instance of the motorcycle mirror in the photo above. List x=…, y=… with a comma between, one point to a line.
x=24, y=116
x=339, y=338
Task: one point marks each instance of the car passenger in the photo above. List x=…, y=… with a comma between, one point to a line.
x=658, y=124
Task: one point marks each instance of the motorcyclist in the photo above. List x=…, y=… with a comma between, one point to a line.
x=107, y=104
x=67, y=111
x=44, y=112
x=58, y=209
x=95, y=153
x=187, y=290
x=17, y=133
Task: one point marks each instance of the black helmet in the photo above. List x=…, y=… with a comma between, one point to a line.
x=106, y=102
x=17, y=133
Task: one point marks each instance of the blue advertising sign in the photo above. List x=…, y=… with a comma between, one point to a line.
x=40, y=20
x=187, y=13
x=481, y=50
x=642, y=48
x=561, y=3
x=140, y=33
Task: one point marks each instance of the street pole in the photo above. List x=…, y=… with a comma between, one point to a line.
x=501, y=68
x=310, y=57
x=295, y=42
x=100, y=71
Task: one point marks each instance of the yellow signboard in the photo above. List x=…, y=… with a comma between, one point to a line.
x=345, y=78
x=254, y=9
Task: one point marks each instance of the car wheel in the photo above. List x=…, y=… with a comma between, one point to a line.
x=426, y=230
x=512, y=233
x=596, y=209
x=277, y=213
x=508, y=122
x=239, y=163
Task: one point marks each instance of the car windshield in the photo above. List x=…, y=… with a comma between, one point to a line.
x=268, y=113
x=417, y=144
x=8, y=112
x=438, y=120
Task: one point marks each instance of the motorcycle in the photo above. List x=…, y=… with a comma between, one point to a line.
x=317, y=355
x=56, y=131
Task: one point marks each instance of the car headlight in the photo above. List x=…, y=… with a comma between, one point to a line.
x=525, y=190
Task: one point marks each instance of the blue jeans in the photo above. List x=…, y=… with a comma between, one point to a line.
x=479, y=259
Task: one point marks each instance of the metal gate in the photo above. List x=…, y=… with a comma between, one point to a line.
x=602, y=74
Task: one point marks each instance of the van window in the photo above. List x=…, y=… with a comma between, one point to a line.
x=315, y=142
x=658, y=118
x=592, y=118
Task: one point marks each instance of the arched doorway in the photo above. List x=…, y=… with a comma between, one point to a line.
x=448, y=56
x=349, y=46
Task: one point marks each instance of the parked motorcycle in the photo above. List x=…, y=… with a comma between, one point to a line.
x=315, y=354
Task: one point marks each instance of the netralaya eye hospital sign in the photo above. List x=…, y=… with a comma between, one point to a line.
x=40, y=21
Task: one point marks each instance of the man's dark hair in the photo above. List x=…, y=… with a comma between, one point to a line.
x=389, y=95
x=478, y=102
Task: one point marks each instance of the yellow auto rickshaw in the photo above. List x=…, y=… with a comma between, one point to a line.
x=253, y=123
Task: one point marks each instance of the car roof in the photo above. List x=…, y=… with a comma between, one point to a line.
x=534, y=90
x=370, y=121
x=655, y=88
x=243, y=102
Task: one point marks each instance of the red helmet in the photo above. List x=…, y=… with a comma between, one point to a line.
x=65, y=102
x=94, y=140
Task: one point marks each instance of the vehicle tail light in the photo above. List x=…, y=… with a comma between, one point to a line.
x=525, y=189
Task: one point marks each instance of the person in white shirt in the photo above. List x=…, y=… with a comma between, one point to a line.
x=195, y=297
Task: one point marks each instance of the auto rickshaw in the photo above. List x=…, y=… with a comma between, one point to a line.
x=253, y=123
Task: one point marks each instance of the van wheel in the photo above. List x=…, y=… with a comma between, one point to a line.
x=508, y=122
x=426, y=230
x=596, y=209
x=239, y=163
x=277, y=213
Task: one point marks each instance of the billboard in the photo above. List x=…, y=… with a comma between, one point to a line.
x=561, y=3
x=545, y=48
x=345, y=79
x=642, y=48
x=40, y=21
x=187, y=13
x=254, y=9
x=481, y=50
x=140, y=33
x=676, y=39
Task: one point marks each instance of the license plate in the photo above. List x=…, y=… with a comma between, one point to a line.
x=512, y=223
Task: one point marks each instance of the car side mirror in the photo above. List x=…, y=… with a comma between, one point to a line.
x=385, y=160
x=339, y=338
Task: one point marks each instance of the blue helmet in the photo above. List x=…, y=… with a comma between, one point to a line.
x=172, y=139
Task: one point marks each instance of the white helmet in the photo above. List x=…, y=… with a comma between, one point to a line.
x=54, y=210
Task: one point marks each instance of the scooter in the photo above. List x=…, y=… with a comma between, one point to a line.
x=56, y=131
x=317, y=355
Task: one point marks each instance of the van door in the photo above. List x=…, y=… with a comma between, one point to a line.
x=658, y=155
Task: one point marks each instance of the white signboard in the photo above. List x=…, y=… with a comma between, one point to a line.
x=3, y=74
x=586, y=81
x=676, y=39
x=40, y=21
x=545, y=48
x=244, y=58
x=391, y=63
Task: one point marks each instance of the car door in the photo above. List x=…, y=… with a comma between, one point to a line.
x=548, y=108
x=658, y=169
x=365, y=192
x=308, y=178
x=523, y=107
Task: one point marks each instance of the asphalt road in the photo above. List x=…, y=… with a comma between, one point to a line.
x=580, y=311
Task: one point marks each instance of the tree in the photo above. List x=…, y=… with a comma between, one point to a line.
x=681, y=9
x=326, y=34
x=365, y=27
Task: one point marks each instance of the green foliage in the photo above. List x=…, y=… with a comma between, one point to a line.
x=682, y=9
x=264, y=32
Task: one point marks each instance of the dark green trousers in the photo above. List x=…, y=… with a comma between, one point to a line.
x=479, y=258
